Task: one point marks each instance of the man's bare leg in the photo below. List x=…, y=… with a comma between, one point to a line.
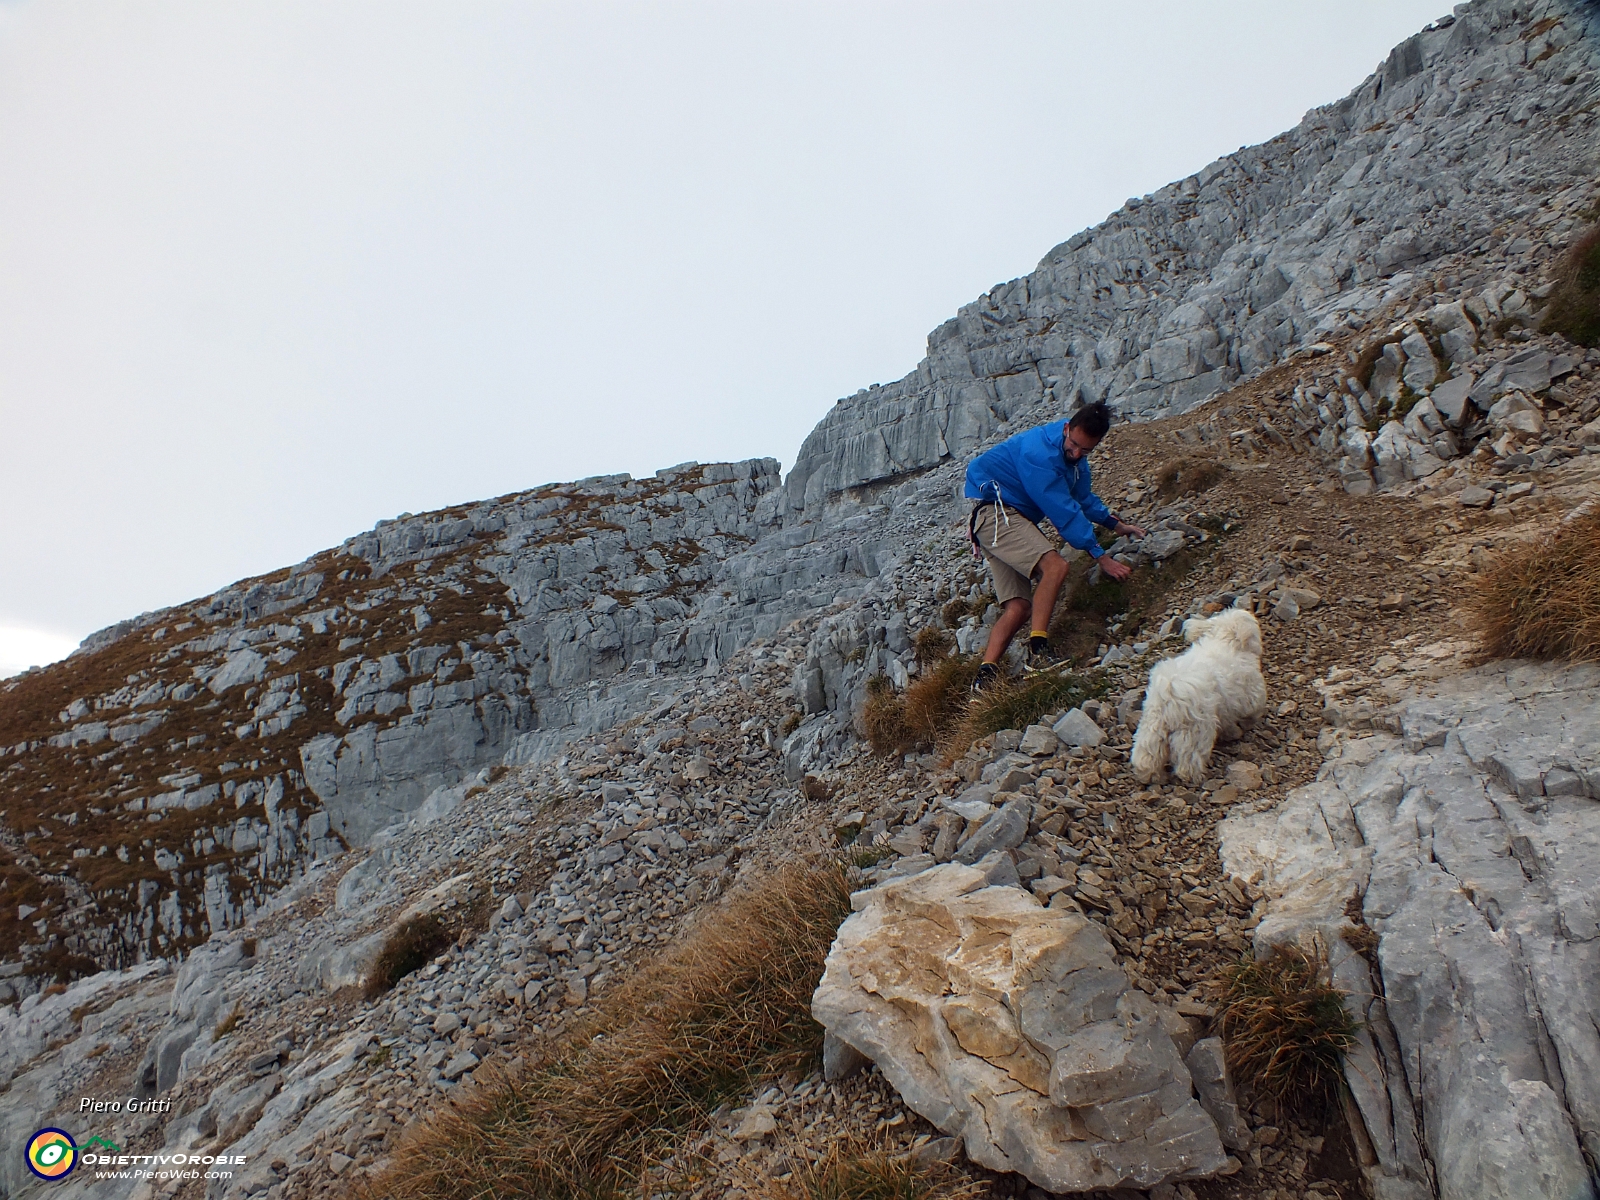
x=1052, y=570
x=1013, y=616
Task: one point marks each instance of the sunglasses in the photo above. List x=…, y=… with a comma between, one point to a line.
x=1072, y=443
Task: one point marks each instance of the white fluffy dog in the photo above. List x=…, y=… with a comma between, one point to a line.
x=1204, y=693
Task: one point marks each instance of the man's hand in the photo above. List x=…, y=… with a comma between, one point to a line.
x=1126, y=530
x=1113, y=569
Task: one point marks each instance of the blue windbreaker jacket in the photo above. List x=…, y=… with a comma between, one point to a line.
x=1029, y=474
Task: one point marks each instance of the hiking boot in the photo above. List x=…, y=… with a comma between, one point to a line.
x=988, y=678
x=1042, y=660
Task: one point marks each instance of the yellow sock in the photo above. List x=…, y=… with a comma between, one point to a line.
x=1044, y=633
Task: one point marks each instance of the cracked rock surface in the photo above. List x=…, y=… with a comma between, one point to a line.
x=1011, y=1025
x=1469, y=842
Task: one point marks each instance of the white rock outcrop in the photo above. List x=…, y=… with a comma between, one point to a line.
x=1011, y=1025
x=1471, y=843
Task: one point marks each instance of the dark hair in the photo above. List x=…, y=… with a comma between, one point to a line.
x=1094, y=419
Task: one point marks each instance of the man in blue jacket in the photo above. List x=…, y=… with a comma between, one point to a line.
x=1039, y=473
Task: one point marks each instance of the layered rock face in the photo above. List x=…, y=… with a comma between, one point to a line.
x=162, y=782
x=1469, y=841
x=1475, y=121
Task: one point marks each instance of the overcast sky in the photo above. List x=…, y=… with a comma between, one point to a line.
x=271, y=271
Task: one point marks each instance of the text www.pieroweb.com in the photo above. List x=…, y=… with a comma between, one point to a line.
x=162, y=1167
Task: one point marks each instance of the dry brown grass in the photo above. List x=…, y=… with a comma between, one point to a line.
x=1285, y=1027
x=937, y=700
x=858, y=1171
x=1018, y=703
x=884, y=716
x=1574, y=308
x=729, y=1006
x=937, y=710
x=407, y=948
x=960, y=607
x=229, y=1023
x=931, y=644
x=1188, y=474
x=1542, y=600
x=932, y=707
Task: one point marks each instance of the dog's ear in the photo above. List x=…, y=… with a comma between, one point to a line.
x=1244, y=631
x=1195, y=628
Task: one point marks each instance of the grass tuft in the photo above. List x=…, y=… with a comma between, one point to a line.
x=1018, y=703
x=729, y=1006
x=937, y=709
x=1542, y=600
x=1188, y=474
x=937, y=699
x=406, y=949
x=851, y=1171
x=955, y=610
x=1285, y=1027
x=930, y=645
x=1363, y=939
x=929, y=711
x=228, y=1023
x=1574, y=308
x=884, y=716
x=867, y=856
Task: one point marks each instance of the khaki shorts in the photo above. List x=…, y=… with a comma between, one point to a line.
x=1013, y=555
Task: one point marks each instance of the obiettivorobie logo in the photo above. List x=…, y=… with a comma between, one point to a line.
x=52, y=1154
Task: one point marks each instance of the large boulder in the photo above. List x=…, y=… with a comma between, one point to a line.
x=1011, y=1025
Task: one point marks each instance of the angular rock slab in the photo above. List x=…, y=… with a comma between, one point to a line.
x=1078, y=728
x=979, y=1005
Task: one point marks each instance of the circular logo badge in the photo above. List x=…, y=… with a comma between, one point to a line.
x=52, y=1154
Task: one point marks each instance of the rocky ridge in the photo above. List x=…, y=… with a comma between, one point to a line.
x=1473, y=142
x=180, y=768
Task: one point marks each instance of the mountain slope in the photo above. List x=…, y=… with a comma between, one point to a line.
x=159, y=784
x=564, y=720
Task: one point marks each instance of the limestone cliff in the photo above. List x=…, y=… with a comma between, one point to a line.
x=1456, y=144
x=161, y=782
